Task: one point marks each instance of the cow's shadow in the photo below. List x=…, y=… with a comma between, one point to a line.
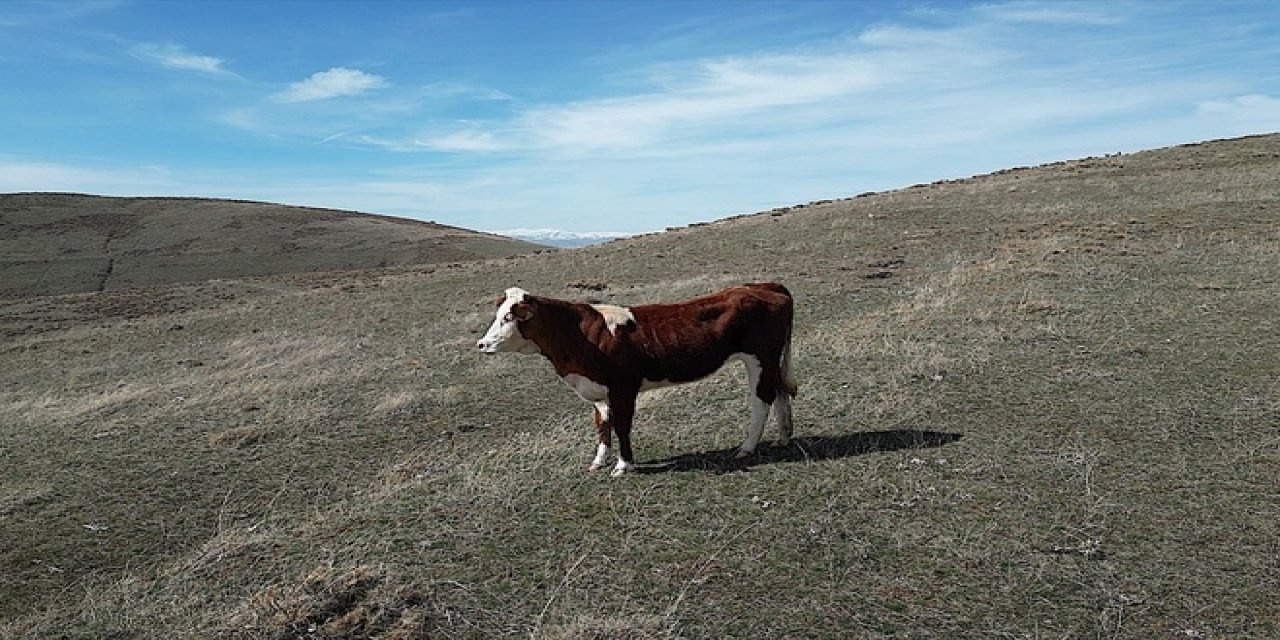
x=803, y=449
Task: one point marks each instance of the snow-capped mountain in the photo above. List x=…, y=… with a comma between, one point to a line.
x=561, y=238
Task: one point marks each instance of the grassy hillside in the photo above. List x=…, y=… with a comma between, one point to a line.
x=1039, y=403
x=53, y=243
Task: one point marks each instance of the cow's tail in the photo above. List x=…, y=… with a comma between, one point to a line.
x=789, y=388
x=789, y=384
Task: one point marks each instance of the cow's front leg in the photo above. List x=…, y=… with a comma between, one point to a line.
x=623, y=407
x=603, y=436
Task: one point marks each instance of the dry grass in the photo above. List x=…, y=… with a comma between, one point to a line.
x=1034, y=404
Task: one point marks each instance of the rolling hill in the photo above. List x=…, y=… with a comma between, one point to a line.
x=52, y=243
x=1036, y=403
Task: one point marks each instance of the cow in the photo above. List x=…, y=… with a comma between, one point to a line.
x=608, y=354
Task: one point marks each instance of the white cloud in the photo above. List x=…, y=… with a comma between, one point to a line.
x=1251, y=108
x=334, y=83
x=176, y=57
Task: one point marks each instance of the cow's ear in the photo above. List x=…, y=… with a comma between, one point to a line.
x=522, y=311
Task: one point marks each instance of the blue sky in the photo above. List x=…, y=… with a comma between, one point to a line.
x=605, y=115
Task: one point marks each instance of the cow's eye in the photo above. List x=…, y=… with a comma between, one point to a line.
x=510, y=317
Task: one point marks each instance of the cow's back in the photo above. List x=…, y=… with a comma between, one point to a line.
x=691, y=339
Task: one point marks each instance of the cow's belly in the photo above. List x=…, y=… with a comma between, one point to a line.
x=586, y=388
x=650, y=385
x=696, y=371
x=593, y=391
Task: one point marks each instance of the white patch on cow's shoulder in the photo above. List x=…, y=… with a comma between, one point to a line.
x=614, y=316
x=586, y=388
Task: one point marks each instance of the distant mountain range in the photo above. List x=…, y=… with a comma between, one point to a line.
x=560, y=238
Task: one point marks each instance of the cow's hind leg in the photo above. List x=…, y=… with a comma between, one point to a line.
x=782, y=413
x=623, y=406
x=761, y=397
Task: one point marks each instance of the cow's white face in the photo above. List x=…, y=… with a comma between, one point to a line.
x=504, y=334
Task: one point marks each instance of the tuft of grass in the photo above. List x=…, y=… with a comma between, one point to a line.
x=329, y=602
x=241, y=436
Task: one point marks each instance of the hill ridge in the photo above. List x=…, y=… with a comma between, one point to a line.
x=62, y=242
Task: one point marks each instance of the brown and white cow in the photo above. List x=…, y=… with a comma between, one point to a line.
x=608, y=354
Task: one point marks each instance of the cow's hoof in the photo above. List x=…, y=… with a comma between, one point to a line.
x=621, y=469
x=742, y=453
x=594, y=467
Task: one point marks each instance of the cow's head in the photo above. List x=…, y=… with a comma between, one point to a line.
x=504, y=335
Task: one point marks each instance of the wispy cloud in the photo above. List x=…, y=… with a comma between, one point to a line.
x=334, y=83
x=706, y=96
x=1243, y=114
x=1250, y=107
x=470, y=140
x=457, y=90
x=1057, y=13
x=23, y=175
x=20, y=14
x=176, y=56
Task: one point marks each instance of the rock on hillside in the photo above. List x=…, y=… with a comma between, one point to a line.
x=55, y=243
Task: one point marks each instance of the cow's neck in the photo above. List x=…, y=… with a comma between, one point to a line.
x=558, y=332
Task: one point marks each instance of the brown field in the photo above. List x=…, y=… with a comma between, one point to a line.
x=1041, y=403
